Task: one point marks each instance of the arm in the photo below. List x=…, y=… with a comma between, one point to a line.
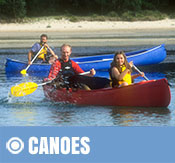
x=30, y=53
x=137, y=75
x=92, y=72
x=51, y=51
x=78, y=69
x=54, y=70
x=35, y=49
x=117, y=75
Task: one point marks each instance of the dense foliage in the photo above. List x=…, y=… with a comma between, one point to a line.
x=12, y=8
x=22, y=8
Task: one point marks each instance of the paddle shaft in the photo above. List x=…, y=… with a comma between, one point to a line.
x=34, y=58
x=83, y=73
x=27, y=88
x=140, y=72
x=45, y=83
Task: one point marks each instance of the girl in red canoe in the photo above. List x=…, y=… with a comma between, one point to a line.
x=120, y=71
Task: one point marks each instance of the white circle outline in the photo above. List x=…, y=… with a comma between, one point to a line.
x=19, y=141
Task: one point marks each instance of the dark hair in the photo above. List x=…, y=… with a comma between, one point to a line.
x=43, y=35
x=114, y=63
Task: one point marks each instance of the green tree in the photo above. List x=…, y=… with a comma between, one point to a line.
x=2, y=2
x=13, y=8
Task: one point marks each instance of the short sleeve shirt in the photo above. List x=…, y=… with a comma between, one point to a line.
x=36, y=47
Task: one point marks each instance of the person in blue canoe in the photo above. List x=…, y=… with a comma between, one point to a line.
x=44, y=53
x=120, y=71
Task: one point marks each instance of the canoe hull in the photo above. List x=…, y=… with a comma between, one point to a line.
x=14, y=67
x=140, y=58
x=153, y=93
x=100, y=62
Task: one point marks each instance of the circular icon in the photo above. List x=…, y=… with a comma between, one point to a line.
x=15, y=145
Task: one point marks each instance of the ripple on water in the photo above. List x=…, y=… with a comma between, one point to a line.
x=35, y=110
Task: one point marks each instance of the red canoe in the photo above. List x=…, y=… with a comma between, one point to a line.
x=152, y=93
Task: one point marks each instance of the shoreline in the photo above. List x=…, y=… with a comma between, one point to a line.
x=67, y=26
x=108, y=33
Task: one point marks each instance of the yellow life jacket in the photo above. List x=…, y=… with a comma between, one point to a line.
x=127, y=78
x=42, y=53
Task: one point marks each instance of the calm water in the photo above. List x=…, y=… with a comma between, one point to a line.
x=35, y=110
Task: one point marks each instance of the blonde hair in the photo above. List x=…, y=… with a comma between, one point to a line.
x=66, y=45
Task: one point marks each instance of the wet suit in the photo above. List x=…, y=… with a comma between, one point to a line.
x=68, y=72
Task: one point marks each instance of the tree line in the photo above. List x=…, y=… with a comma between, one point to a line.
x=22, y=8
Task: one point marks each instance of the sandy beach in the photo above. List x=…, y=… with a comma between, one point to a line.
x=84, y=33
x=65, y=25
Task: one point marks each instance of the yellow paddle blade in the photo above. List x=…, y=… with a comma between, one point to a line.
x=23, y=89
x=23, y=72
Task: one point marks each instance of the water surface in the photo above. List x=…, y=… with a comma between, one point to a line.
x=35, y=110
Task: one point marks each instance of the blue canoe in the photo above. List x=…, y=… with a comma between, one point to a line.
x=149, y=56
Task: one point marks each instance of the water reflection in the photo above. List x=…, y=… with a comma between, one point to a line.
x=35, y=110
x=72, y=115
x=62, y=114
x=133, y=116
x=17, y=114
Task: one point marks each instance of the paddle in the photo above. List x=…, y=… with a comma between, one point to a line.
x=24, y=71
x=85, y=73
x=140, y=72
x=27, y=88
